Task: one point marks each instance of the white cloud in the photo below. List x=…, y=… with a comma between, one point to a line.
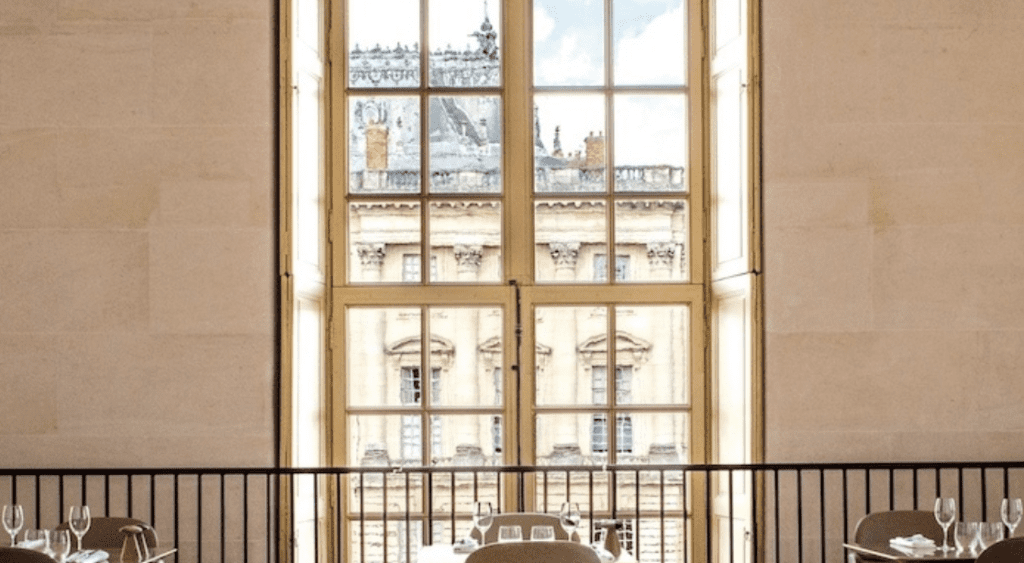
x=543, y=24
x=571, y=64
x=657, y=54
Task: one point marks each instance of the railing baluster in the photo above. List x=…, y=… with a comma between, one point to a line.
x=821, y=504
x=800, y=515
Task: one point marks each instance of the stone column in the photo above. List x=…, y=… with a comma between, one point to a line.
x=564, y=372
x=465, y=381
x=371, y=353
x=661, y=257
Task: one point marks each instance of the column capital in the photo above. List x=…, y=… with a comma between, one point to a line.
x=565, y=254
x=371, y=255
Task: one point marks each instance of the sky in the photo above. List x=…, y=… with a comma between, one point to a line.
x=649, y=39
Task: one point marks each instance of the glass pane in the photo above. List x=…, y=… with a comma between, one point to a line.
x=384, y=357
x=465, y=144
x=568, y=44
x=465, y=241
x=465, y=44
x=468, y=351
x=308, y=172
x=568, y=236
x=567, y=341
x=384, y=38
x=654, y=343
x=650, y=143
x=651, y=240
x=383, y=440
x=569, y=143
x=642, y=27
x=651, y=437
x=384, y=144
x=381, y=235
x=466, y=440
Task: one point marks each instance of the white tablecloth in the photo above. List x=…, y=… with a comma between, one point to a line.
x=445, y=553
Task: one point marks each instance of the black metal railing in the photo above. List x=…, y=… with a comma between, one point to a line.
x=792, y=513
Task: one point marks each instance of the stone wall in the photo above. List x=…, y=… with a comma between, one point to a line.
x=137, y=232
x=894, y=229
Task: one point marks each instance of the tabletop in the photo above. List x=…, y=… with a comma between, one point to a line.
x=445, y=553
x=885, y=551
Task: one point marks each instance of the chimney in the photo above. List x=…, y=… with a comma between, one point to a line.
x=595, y=150
x=376, y=146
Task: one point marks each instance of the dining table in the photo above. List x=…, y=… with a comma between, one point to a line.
x=447, y=553
x=114, y=555
x=889, y=553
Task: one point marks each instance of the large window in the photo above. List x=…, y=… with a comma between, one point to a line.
x=519, y=200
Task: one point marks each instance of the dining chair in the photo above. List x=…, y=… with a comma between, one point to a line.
x=21, y=555
x=880, y=527
x=105, y=532
x=1010, y=550
x=534, y=552
x=526, y=521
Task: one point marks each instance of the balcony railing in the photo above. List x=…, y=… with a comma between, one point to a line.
x=790, y=513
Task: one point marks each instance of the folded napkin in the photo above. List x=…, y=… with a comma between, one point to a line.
x=916, y=541
x=88, y=556
x=605, y=555
x=465, y=546
x=31, y=544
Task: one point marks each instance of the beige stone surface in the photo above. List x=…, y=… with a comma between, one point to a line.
x=137, y=252
x=893, y=205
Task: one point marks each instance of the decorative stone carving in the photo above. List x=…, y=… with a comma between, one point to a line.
x=660, y=254
x=468, y=256
x=565, y=254
x=371, y=255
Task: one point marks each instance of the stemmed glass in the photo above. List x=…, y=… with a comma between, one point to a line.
x=569, y=517
x=1011, y=511
x=60, y=544
x=945, y=513
x=79, y=522
x=482, y=518
x=14, y=519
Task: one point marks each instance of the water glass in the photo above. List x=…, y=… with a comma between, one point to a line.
x=965, y=534
x=510, y=533
x=60, y=544
x=542, y=533
x=38, y=540
x=988, y=534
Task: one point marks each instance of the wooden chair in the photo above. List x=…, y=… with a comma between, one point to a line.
x=880, y=527
x=525, y=520
x=105, y=532
x=21, y=555
x=1006, y=551
x=534, y=552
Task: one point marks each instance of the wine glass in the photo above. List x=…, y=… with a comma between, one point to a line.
x=14, y=519
x=569, y=517
x=988, y=534
x=1011, y=511
x=542, y=533
x=483, y=517
x=79, y=522
x=60, y=544
x=945, y=513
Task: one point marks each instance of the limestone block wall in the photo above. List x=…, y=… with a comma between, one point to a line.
x=137, y=234
x=894, y=229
